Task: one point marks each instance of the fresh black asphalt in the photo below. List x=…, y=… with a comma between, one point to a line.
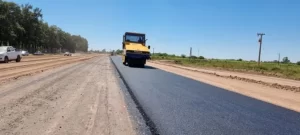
x=181, y=106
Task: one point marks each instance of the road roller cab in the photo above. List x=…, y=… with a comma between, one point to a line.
x=135, y=51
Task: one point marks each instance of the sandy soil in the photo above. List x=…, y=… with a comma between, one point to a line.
x=286, y=99
x=81, y=98
x=35, y=64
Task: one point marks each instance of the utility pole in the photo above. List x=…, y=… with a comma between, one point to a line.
x=153, y=52
x=278, y=58
x=198, y=52
x=190, y=52
x=260, y=43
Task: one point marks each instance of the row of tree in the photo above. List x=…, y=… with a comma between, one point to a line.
x=23, y=27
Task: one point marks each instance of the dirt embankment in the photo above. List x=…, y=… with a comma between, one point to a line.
x=259, y=87
x=77, y=99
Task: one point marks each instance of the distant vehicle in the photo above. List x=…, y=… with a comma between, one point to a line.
x=112, y=53
x=38, y=53
x=135, y=50
x=67, y=54
x=25, y=53
x=9, y=53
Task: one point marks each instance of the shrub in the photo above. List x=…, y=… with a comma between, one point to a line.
x=201, y=57
x=261, y=68
x=178, y=62
x=193, y=57
x=276, y=69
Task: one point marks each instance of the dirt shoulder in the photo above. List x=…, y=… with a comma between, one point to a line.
x=287, y=99
x=274, y=82
x=80, y=98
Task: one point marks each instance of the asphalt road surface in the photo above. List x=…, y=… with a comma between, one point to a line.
x=179, y=105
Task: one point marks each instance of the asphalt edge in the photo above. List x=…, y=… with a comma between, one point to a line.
x=149, y=123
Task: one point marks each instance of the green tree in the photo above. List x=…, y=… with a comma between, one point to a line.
x=285, y=60
x=298, y=63
x=119, y=51
x=23, y=27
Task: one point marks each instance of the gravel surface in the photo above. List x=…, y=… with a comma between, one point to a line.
x=180, y=105
x=81, y=98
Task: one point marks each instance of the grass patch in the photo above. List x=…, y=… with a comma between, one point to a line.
x=291, y=71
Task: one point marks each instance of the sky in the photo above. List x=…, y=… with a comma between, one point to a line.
x=222, y=29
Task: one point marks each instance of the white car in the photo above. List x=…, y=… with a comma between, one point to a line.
x=9, y=53
x=25, y=53
x=67, y=54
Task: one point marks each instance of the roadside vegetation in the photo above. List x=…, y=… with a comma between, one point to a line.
x=284, y=68
x=23, y=27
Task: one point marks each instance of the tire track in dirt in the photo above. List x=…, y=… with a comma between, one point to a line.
x=33, y=97
x=15, y=74
x=64, y=73
x=73, y=98
x=31, y=64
